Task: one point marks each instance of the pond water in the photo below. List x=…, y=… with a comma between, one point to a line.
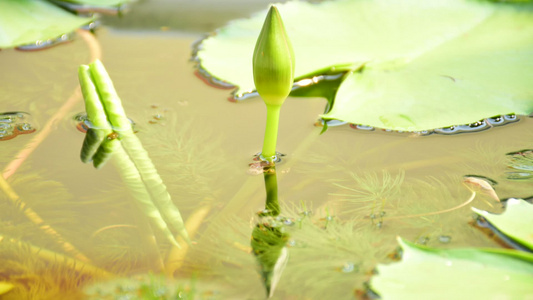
x=344, y=196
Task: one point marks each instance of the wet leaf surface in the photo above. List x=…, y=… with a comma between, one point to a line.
x=455, y=274
x=27, y=21
x=423, y=69
x=515, y=222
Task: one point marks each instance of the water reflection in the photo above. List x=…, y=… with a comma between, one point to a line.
x=269, y=238
x=520, y=164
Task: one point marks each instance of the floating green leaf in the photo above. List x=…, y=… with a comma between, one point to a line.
x=99, y=2
x=516, y=222
x=27, y=21
x=41, y=23
x=427, y=64
x=426, y=273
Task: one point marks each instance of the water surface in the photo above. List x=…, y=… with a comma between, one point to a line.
x=344, y=195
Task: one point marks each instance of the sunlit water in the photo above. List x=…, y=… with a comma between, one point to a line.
x=344, y=195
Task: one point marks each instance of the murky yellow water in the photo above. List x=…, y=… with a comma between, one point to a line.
x=201, y=144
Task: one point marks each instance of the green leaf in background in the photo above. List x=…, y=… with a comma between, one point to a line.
x=426, y=273
x=27, y=21
x=99, y=2
x=427, y=64
x=516, y=221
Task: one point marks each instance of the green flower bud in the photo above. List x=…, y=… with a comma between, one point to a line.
x=273, y=62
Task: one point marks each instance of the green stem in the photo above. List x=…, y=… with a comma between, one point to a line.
x=271, y=132
x=271, y=187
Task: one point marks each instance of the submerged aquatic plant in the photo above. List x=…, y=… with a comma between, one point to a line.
x=273, y=68
x=368, y=192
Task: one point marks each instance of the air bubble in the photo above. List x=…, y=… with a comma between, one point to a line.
x=306, y=213
x=159, y=292
x=288, y=222
x=43, y=44
x=348, y=267
x=423, y=240
x=362, y=127
x=445, y=239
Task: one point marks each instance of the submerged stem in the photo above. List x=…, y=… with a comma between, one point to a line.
x=271, y=187
x=271, y=132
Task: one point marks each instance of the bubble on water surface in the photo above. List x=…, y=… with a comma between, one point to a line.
x=288, y=222
x=83, y=124
x=44, y=44
x=477, y=126
x=348, y=267
x=445, y=239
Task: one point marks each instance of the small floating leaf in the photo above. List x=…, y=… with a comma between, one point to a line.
x=427, y=64
x=480, y=185
x=27, y=21
x=99, y=2
x=428, y=273
x=516, y=221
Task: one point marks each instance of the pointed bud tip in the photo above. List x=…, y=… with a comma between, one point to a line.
x=273, y=60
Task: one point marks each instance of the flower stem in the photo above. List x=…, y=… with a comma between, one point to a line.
x=271, y=132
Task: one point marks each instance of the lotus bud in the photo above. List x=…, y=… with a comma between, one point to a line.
x=273, y=66
x=273, y=61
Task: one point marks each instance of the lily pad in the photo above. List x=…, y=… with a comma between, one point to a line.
x=98, y=2
x=427, y=64
x=516, y=221
x=426, y=273
x=27, y=21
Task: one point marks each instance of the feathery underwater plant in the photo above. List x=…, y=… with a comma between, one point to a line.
x=273, y=69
